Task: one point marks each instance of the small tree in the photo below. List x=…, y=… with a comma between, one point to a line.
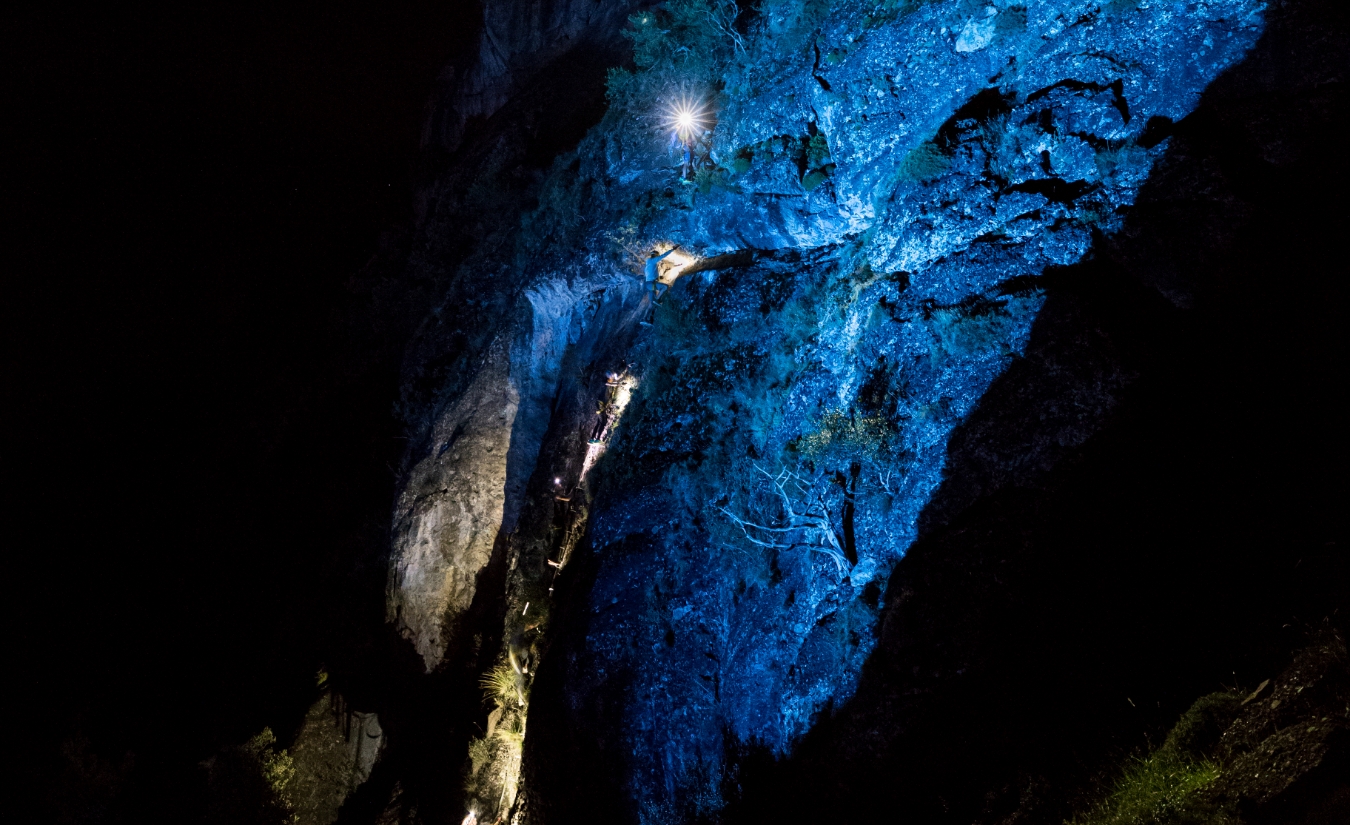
x=681, y=49
x=804, y=520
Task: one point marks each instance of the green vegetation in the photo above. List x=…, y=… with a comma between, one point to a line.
x=681, y=44
x=276, y=766
x=480, y=751
x=854, y=435
x=511, y=731
x=1157, y=790
x=706, y=180
x=1199, y=729
x=1168, y=786
x=924, y=163
x=492, y=772
x=248, y=784
x=499, y=684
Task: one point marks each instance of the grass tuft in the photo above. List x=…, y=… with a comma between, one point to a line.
x=499, y=683
x=1168, y=786
x=1156, y=790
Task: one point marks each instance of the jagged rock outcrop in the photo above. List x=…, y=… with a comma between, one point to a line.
x=467, y=492
x=450, y=511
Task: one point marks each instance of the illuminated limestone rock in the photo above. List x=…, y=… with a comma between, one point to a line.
x=468, y=486
x=449, y=513
x=979, y=32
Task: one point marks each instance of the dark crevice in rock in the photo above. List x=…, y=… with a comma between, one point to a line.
x=982, y=107
x=1117, y=89
x=1055, y=190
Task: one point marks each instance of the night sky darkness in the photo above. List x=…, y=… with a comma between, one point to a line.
x=196, y=423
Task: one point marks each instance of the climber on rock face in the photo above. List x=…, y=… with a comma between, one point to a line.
x=520, y=652
x=652, y=276
x=602, y=420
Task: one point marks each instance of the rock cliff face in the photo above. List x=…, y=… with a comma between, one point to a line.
x=780, y=544
x=450, y=511
x=518, y=42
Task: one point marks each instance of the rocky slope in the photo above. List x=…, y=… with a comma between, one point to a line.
x=910, y=503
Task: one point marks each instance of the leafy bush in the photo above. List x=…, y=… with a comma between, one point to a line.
x=480, y=751
x=853, y=435
x=1198, y=731
x=248, y=783
x=277, y=766
x=679, y=46
x=706, y=180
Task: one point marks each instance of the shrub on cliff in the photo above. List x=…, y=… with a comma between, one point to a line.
x=680, y=48
x=247, y=784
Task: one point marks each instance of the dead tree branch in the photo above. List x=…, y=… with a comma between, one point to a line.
x=805, y=521
x=722, y=14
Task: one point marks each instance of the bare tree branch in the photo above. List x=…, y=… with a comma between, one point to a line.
x=722, y=14
x=809, y=520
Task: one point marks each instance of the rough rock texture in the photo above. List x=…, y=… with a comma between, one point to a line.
x=908, y=457
x=469, y=489
x=1286, y=755
x=333, y=754
x=517, y=43
x=450, y=511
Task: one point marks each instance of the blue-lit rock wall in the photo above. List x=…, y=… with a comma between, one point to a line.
x=907, y=173
x=970, y=146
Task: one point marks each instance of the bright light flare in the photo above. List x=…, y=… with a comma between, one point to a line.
x=622, y=395
x=687, y=117
x=672, y=266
